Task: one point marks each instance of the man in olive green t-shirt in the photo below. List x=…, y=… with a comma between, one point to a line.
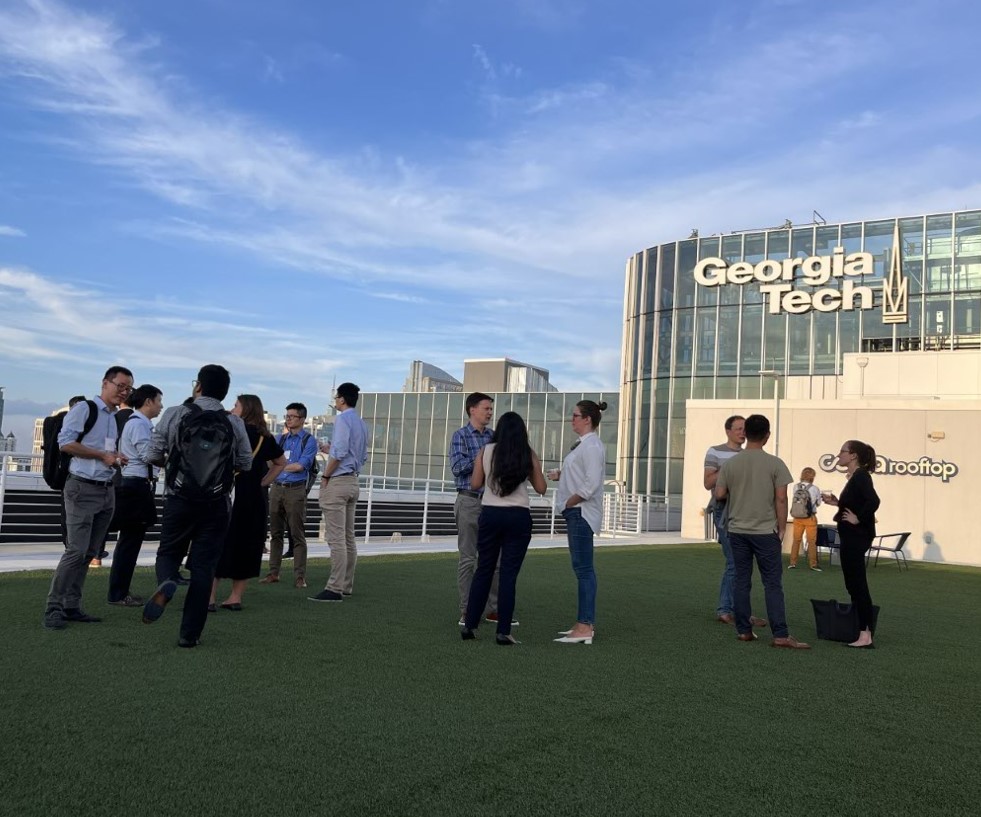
x=755, y=484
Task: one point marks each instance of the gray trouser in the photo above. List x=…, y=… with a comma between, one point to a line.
x=466, y=511
x=88, y=512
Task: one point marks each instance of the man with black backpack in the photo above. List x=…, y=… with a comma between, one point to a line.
x=50, y=465
x=203, y=446
x=85, y=467
x=288, y=496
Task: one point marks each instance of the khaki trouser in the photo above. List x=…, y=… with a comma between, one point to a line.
x=338, y=502
x=288, y=508
x=810, y=527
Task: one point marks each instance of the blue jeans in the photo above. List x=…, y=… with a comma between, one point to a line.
x=503, y=535
x=729, y=574
x=581, y=549
x=766, y=548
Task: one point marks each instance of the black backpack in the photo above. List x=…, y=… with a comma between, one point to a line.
x=54, y=467
x=314, y=471
x=201, y=464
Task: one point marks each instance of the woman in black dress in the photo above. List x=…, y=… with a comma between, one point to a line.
x=856, y=529
x=241, y=559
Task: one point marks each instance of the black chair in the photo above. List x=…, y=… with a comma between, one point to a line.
x=891, y=543
x=827, y=538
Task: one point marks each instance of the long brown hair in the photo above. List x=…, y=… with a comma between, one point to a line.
x=253, y=413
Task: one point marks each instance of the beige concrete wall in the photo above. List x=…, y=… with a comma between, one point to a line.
x=941, y=514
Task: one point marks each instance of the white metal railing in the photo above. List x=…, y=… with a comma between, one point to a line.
x=423, y=507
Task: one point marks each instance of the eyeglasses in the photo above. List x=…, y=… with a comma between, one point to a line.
x=576, y=416
x=292, y=417
x=125, y=387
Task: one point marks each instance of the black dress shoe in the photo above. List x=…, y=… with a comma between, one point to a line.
x=506, y=640
x=467, y=634
x=181, y=580
x=288, y=554
x=188, y=643
x=81, y=616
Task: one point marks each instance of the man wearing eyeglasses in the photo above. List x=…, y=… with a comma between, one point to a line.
x=89, y=495
x=288, y=497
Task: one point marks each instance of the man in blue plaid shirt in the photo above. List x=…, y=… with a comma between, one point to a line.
x=465, y=446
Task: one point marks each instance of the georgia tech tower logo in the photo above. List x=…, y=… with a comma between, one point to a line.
x=788, y=284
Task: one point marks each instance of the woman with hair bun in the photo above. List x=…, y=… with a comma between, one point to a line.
x=856, y=530
x=580, y=496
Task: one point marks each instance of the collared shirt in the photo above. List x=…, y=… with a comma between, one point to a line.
x=349, y=445
x=104, y=428
x=464, y=447
x=164, y=436
x=582, y=473
x=299, y=447
x=134, y=443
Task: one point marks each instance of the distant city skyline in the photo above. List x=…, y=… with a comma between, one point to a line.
x=316, y=192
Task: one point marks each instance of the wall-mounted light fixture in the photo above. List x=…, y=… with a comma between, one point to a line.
x=936, y=435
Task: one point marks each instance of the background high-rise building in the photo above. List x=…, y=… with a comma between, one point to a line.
x=501, y=374
x=425, y=377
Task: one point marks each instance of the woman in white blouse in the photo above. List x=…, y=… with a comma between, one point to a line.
x=580, y=496
x=503, y=468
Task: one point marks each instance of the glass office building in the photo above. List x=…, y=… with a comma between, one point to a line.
x=703, y=317
x=410, y=433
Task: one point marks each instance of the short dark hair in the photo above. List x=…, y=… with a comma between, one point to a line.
x=214, y=381
x=142, y=395
x=299, y=408
x=757, y=427
x=733, y=419
x=78, y=398
x=349, y=392
x=112, y=371
x=594, y=411
x=473, y=400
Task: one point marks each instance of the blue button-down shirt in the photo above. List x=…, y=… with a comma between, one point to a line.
x=301, y=448
x=464, y=447
x=350, y=443
x=74, y=424
x=134, y=443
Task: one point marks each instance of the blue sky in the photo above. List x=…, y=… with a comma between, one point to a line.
x=313, y=189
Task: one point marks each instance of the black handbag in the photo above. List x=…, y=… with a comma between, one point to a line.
x=838, y=622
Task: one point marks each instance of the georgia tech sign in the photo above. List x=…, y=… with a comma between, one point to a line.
x=923, y=467
x=777, y=277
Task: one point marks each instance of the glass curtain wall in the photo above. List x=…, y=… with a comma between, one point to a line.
x=713, y=341
x=409, y=434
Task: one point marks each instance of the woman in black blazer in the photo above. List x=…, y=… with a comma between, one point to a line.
x=856, y=529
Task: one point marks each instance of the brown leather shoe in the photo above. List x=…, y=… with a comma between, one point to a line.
x=269, y=578
x=726, y=618
x=300, y=582
x=750, y=636
x=789, y=643
x=757, y=622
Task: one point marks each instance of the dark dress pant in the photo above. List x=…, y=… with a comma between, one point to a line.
x=854, y=547
x=202, y=525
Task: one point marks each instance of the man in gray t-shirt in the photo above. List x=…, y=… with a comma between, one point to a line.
x=715, y=457
x=755, y=485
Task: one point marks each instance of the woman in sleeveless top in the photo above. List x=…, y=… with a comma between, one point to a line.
x=503, y=468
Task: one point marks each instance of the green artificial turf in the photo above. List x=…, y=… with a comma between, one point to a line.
x=376, y=707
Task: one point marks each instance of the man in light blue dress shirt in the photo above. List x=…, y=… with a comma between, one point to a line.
x=339, y=493
x=89, y=496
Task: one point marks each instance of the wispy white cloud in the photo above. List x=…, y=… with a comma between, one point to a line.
x=11, y=232
x=572, y=179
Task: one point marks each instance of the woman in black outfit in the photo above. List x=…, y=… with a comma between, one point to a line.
x=856, y=530
x=241, y=559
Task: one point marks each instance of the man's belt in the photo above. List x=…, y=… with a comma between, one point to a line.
x=466, y=492
x=300, y=483
x=104, y=483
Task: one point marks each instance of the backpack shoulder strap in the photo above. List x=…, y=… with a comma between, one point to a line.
x=90, y=420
